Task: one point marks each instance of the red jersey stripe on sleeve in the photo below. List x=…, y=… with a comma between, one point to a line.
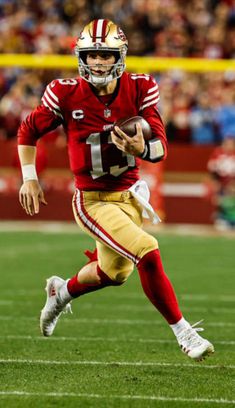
x=152, y=96
x=51, y=101
x=152, y=102
x=51, y=93
x=50, y=105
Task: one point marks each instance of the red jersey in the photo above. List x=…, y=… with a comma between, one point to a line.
x=95, y=161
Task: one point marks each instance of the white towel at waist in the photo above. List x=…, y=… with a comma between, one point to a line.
x=141, y=193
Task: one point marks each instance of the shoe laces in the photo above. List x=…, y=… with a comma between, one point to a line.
x=190, y=336
x=197, y=329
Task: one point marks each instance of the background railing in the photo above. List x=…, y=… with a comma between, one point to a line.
x=135, y=64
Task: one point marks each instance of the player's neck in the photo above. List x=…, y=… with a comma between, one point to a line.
x=107, y=89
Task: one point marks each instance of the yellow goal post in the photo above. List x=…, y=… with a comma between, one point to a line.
x=134, y=64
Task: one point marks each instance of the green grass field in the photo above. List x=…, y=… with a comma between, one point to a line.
x=115, y=350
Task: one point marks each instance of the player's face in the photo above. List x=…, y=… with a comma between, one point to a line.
x=100, y=62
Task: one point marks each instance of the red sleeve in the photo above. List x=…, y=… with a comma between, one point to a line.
x=153, y=117
x=40, y=121
x=148, y=100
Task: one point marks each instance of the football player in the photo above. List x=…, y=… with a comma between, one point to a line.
x=105, y=167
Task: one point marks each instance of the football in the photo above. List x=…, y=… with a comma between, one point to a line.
x=128, y=126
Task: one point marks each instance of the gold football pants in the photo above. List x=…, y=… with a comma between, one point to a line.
x=114, y=220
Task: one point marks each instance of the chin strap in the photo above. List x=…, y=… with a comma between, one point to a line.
x=100, y=81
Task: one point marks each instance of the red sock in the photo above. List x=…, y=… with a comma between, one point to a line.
x=75, y=288
x=157, y=286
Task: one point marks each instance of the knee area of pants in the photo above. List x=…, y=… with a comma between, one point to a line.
x=122, y=277
x=149, y=245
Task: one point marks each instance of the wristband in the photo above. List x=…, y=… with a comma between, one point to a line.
x=29, y=172
x=153, y=151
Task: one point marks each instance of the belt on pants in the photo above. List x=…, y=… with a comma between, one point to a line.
x=120, y=196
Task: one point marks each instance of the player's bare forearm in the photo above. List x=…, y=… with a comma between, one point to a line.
x=132, y=145
x=27, y=154
x=30, y=194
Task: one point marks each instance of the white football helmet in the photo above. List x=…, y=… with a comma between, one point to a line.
x=101, y=35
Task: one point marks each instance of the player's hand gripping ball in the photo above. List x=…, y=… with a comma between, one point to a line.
x=128, y=126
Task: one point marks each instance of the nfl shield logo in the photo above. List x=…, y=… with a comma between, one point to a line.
x=107, y=113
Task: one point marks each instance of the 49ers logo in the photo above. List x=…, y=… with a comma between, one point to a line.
x=97, y=45
x=121, y=34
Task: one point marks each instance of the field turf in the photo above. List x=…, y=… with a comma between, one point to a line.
x=115, y=350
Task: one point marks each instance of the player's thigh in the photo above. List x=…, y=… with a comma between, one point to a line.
x=116, y=225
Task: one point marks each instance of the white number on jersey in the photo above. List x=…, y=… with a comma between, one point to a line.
x=96, y=158
x=69, y=81
x=137, y=76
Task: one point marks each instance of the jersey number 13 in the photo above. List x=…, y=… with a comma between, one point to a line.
x=96, y=158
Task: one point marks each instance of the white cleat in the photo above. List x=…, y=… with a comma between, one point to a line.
x=53, y=306
x=195, y=346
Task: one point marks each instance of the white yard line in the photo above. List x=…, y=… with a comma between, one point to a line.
x=123, y=307
x=111, y=321
x=145, y=308
x=113, y=363
x=105, y=339
x=200, y=297
x=110, y=397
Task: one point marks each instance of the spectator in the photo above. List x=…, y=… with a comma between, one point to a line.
x=226, y=207
x=202, y=121
x=225, y=114
x=221, y=167
x=167, y=28
x=199, y=27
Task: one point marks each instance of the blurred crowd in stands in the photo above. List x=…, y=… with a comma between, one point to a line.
x=196, y=108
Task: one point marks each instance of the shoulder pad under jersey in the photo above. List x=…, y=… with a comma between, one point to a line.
x=55, y=92
x=149, y=91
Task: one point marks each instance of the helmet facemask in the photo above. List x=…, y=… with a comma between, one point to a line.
x=113, y=71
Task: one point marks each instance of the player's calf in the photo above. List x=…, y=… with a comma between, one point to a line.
x=61, y=292
x=160, y=292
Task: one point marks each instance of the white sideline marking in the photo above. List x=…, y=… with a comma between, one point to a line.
x=122, y=397
x=113, y=321
x=111, y=363
x=106, y=339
